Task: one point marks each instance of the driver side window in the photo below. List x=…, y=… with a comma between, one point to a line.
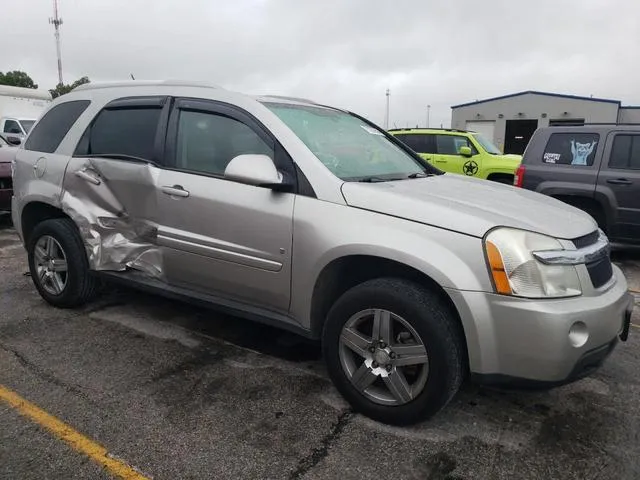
x=450, y=144
x=207, y=142
x=11, y=126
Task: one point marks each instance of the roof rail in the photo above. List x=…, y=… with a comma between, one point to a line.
x=613, y=123
x=595, y=124
x=293, y=99
x=145, y=83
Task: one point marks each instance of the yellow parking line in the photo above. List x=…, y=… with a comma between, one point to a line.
x=75, y=439
x=634, y=325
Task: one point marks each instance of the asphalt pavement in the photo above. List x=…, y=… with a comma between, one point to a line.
x=181, y=392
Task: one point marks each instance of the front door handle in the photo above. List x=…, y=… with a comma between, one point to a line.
x=441, y=161
x=619, y=181
x=174, y=191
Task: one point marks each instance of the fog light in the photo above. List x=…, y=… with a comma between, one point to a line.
x=578, y=334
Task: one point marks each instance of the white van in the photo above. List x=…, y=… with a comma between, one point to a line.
x=20, y=108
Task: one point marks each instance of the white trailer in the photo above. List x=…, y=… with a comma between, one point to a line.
x=20, y=108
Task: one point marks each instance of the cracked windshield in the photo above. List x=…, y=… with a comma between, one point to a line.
x=350, y=148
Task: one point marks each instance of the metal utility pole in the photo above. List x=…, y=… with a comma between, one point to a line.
x=386, y=113
x=56, y=21
x=428, y=114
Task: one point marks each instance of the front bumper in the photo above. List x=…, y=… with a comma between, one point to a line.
x=516, y=340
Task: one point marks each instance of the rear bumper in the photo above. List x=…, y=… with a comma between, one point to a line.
x=520, y=341
x=5, y=200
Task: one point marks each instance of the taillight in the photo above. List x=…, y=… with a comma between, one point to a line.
x=518, y=178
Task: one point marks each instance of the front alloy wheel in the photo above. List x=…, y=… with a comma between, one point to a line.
x=394, y=349
x=383, y=357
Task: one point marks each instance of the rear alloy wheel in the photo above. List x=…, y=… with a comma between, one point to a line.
x=394, y=349
x=58, y=264
x=51, y=265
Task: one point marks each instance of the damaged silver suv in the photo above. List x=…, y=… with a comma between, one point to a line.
x=313, y=219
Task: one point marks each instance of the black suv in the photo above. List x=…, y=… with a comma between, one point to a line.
x=593, y=167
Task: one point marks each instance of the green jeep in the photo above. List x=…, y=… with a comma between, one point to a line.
x=460, y=151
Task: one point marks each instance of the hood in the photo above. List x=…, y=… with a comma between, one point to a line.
x=469, y=205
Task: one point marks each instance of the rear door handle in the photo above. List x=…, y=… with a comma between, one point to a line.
x=174, y=191
x=441, y=161
x=619, y=181
x=83, y=174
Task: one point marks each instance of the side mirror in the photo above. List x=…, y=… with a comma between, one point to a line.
x=14, y=141
x=256, y=169
x=465, y=151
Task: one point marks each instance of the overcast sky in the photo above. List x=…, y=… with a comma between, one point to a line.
x=341, y=52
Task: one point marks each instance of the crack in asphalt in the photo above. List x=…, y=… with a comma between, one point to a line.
x=319, y=453
x=46, y=375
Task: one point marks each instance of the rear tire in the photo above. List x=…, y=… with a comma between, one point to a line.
x=422, y=323
x=58, y=264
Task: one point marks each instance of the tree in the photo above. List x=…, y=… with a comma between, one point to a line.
x=61, y=88
x=17, y=79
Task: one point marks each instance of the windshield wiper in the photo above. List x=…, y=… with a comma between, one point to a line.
x=374, y=180
x=420, y=175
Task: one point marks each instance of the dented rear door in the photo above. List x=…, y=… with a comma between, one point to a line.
x=110, y=185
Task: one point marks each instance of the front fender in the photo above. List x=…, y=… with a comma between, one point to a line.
x=324, y=232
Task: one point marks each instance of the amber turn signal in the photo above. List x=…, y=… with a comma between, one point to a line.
x=498, y=272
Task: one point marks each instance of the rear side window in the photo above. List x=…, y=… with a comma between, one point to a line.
x=52, y=128
x=571, y=149
x=625, y=152
x=122, y=131
x=418, y=142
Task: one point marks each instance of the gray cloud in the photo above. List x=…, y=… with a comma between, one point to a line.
x=341, y=52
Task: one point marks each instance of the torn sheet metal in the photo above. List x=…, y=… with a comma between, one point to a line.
x=113, y=204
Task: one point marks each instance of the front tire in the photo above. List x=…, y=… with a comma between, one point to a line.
x=394, y=351
x=58, y=264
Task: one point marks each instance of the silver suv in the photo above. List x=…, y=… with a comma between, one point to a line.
x=313, y=219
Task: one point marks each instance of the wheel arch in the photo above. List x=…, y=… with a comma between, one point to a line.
x=497, y=176
x=34, y=213
x=345, y=272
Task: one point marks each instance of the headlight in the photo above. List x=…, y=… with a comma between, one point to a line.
x=516, y=272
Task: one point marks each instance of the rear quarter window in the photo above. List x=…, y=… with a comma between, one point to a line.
x=53, y=127
x=122, y=131
x=576, y=149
